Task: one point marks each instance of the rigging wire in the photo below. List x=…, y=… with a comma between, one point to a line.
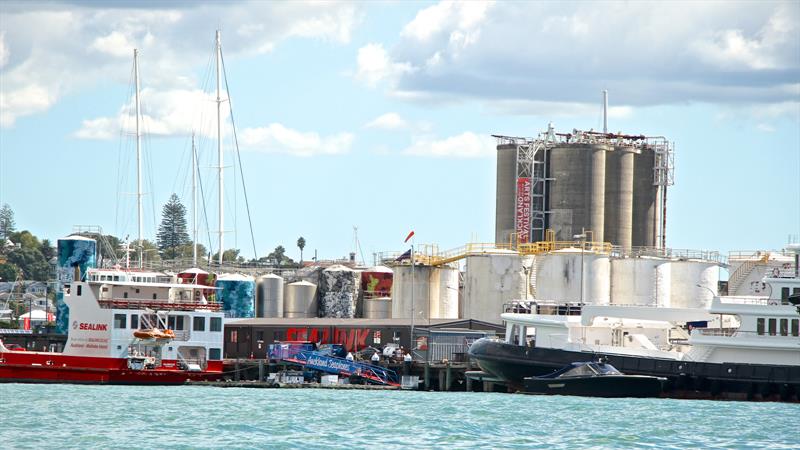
x=239, y=159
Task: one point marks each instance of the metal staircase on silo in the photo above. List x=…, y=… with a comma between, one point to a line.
x=742, y=272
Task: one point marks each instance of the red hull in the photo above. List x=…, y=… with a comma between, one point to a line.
x=38, y=367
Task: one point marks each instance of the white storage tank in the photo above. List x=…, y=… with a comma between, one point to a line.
x=401, y=291
x=444, y=293
x=269, y=296
x=640, y=281
x=558, y=276
x=300, y=300
x=378, y=308
x=490, y=281
x=686, y=276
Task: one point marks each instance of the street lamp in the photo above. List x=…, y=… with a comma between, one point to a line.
x=582, y=237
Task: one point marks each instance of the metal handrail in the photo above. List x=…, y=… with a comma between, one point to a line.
x=733, y=332
x=156, y=305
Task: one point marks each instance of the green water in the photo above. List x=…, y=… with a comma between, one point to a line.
x=83, y=417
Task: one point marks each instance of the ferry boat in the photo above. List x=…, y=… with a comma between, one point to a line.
x=128, y=327
x=739, y=346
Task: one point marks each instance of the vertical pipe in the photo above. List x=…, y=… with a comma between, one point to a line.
x=219, y=150
x=138, y=156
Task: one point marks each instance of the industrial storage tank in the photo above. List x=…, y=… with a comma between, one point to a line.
x=377, y=282
x=269, y=296
x=492, y=280
x=300, y=300
x=558, y=276
x=619, y=195
x=377, y=308
x=435, y=292
x=506, y=191
x=73, y=252
x=237, y=294
x=686, y=276
x=338, y=292
x=577, y=190
x=641, y=281
x=643, y=233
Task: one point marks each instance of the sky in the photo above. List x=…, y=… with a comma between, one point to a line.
x=379, y=115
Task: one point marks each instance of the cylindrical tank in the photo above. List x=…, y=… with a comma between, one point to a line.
x=237, y=294
x=619, y=196
x=338, y=292
x=378, y=308
x=490, y=281
x=643, y=233
x=300, y=300
x=577, y=191
x=444, y=293
x=505, y=193
x=73, y=252
x=640, y=281
x=269, y=296
x=559, y=278
x=402, y=299
x=692, y=283
x=377, y=282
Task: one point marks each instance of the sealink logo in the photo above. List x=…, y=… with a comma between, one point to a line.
x=94, y=326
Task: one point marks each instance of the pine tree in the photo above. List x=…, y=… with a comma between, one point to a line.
x=172, y=234
x=7, y=225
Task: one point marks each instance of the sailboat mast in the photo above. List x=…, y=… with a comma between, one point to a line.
x=219, y=148
x=194, y=203
x=138, y=156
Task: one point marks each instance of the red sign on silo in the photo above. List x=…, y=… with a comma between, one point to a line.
x=523, y=209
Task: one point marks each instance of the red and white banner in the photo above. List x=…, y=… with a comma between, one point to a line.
x=523, y=209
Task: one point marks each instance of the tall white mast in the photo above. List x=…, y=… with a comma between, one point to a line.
x=138, y=156
x=605, y=111
x=219, y=148
x=194, y=203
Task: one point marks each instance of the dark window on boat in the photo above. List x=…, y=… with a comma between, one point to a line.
x=125, y=294
x=137, y=291
x=784, y=327
x=796, y=291
x=119, y=321
x=175, y=323
x=773, y=327
x=134, y=321
x=785, y=293
x=214, y=354
x=216, y=324
x=795, y=327
x=79, y=289
x=154, y=296
x=199, y=324
x=116, y=277
x=760, y=326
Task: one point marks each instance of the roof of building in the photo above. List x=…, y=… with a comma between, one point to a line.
x=324, y=322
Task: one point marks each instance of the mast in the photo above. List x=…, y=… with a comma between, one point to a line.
x=138, y=156
x=219, y=149
x=194, y=203
x=605, y=111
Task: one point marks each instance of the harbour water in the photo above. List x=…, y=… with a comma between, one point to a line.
x=74, y=416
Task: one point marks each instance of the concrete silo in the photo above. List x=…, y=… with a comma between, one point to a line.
x=506, y=190
x=645, y=200
x=619, y=195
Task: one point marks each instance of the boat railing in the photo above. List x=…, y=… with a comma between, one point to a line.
x=734, y=332
x=749, y=300
x=158, y=305
x=543, y=308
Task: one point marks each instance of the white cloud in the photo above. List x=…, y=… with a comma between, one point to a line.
x=464, y=145
x=765, y=127
x=374, y=65
x=61, y=48
x=279, y=139
x=388, y=121
x=564, y=54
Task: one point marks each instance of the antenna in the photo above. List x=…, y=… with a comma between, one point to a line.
x=605, y=111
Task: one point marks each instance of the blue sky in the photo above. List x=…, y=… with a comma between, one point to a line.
x=379, y=115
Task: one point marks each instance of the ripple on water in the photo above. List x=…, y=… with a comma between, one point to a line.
x=67, y=416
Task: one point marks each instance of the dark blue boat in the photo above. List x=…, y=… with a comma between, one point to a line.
x=593, y=379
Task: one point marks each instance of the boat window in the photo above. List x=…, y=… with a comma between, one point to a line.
x=119, y=321
x=134, y=321
x=785, y=293
x=116, y=277
x=199, y=324
x=579, y=371
x=125, y=294
x=154, y=295
x=79, y=289
x=795, y=327
x=214, y=354
x=760, y=325
x=784, y=327
x=773, y=327
x=216, y=324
